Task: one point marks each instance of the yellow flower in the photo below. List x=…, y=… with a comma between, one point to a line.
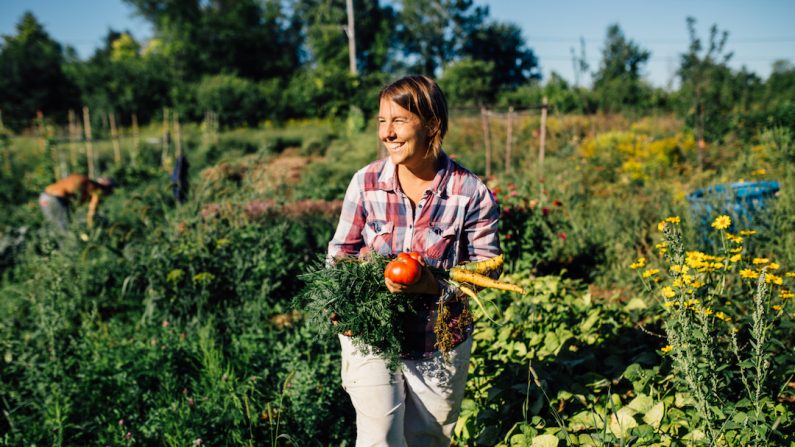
x=722, y=316
x=777, y=280
x=661, y=226
x=722, y=222
x=777, y=308
x=667, y=348
x=773, y=266
x=748, y=274
x=733, y=238
x=736, y=258
x=668, y=292
x=748, y=232
x=673, y=219
x=736, y=250
x=639, y=264
x=669, y=304
x=790, y=274
x=785, y=294
x=759, y=261
x=759, y=172
x=708, y=311
x=650, y=272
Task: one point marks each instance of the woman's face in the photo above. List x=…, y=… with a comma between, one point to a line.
x=403, y=134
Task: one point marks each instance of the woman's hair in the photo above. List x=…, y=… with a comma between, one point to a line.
x=422, y=96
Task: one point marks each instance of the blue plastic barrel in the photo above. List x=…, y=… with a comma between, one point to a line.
x=740, y=200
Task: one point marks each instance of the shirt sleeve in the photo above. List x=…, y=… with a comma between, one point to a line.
x=481, y=225
x=348, y=240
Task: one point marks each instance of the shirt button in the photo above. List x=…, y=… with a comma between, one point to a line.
x=420, y=206
x=410, y=226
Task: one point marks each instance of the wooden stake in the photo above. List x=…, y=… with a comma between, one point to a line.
x=164, y=155
x=509, y=141
x=89, y=145
x=136, y=137
x=114, y=136
x=73, y=130
x=543, y=138
x=484, y=119
x=177, y=136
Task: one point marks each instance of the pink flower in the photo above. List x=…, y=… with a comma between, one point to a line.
x=562, y=236
x=165, y=323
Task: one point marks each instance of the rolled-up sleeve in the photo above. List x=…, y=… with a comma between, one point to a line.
x=348, y=240
x=481, y=225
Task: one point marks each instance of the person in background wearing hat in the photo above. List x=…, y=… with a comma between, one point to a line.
x=55, y=199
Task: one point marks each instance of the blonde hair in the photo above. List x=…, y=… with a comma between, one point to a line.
x=422, y=96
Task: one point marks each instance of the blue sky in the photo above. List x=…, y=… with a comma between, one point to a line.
x=760, y=31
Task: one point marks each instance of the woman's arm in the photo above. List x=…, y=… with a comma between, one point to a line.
x=348, y=240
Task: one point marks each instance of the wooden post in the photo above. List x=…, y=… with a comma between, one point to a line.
x=542, y=139
x=136, y=137
x=40, y=131
x=177, y=136
x=484, y=120
x=89, y=146
x=73, y=131
x=164, y=155
x=114, y=136
x=509, y=141
x=350, y=30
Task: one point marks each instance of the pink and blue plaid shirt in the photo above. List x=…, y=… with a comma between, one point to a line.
x=455, y=221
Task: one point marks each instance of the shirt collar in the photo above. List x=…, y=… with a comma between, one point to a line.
x=387, y=180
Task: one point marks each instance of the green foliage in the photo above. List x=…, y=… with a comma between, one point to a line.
x=235, y=100
x=353, y=292
x=469, y=83
x=617, y=82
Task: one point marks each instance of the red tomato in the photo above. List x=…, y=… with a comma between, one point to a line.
x=403, y=270
x=411, y=254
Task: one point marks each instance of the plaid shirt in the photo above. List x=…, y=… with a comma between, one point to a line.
x=454, y=222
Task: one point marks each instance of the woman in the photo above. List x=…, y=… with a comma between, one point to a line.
x=416, y=199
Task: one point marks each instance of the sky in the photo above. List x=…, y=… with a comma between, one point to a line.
x=760, y=31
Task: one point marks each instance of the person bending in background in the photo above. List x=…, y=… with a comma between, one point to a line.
x=416, y=199
x=55, y=199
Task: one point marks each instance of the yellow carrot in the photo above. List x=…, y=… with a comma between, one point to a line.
x=479, y=280
x=481, y=267
x=471, y=293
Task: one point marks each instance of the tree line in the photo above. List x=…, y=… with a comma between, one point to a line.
x=256, y=60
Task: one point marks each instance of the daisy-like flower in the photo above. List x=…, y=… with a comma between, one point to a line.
x=747, y=232
x=749, y=274
x=722, y=222
x=650, y=272
x=667, y=348
x=736, y=258
x=722, y=316
x=734, y=238
x=776, y=307
x=673, y=219
x=668, y=292
x=639, y=264
x=760, y=261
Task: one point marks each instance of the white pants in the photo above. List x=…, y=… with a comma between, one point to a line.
x=417, y=405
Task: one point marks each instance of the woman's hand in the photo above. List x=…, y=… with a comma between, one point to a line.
x=426, y=285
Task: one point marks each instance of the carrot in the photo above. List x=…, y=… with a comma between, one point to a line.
x=482, y=267
x=479, y=280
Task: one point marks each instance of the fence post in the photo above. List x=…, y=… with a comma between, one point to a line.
x=114, y=135
x=177, y=136
x=543, y=138
x=73, y=132
x=89, y=146
x=136, y=137
x=484, y=119
x=509, y=141
x=164, y=156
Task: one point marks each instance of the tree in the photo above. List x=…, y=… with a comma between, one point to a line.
x=469, y=83
x=706, y=93
x=32, y=77
x=502, y=45
x=432, y=32
x=617, y=82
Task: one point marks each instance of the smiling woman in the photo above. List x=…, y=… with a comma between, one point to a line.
x=415, y=200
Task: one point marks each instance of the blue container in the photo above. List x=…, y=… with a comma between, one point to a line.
x=739, y=200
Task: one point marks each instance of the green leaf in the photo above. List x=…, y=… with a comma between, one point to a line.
x=545, y=440
x=642, y=403
x=635, y=304
x=654, y=415
x=622, y=421
x=589, y=322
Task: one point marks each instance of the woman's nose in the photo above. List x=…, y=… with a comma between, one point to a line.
x=388, y=132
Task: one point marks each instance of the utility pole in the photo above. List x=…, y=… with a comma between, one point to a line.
x=351, y=32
